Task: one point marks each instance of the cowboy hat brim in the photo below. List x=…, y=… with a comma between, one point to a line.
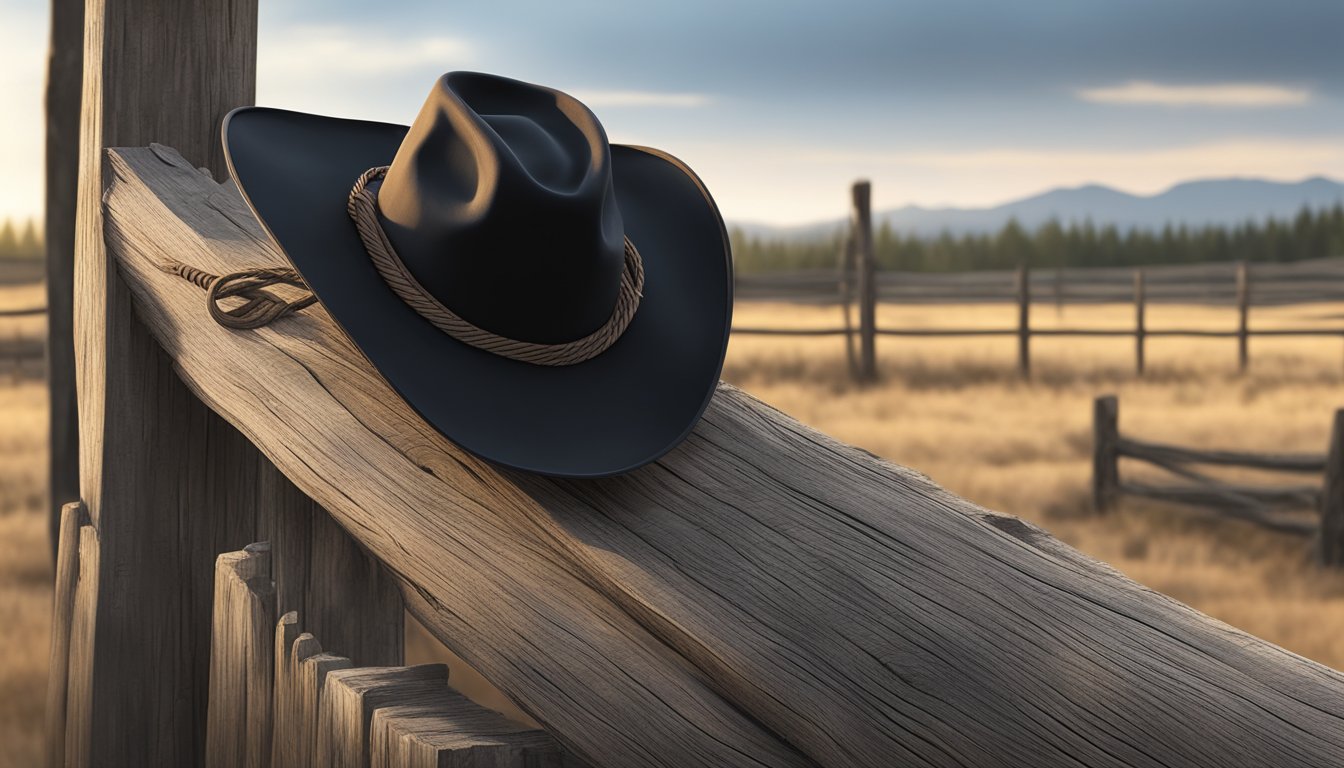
x=620, y=410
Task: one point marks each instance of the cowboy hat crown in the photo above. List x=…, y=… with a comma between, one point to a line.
x=500, y=202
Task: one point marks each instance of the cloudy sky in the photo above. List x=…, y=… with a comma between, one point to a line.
x=779, y=104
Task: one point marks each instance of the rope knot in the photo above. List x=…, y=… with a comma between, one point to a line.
x=260, y=306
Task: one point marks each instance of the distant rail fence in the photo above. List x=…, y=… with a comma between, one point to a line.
x=857, y=281
x=1277, y=507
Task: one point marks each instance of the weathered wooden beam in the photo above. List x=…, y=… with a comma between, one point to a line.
x=763, y=595
x=242, y=672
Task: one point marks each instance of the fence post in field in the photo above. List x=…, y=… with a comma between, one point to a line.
x=65, y=67
x=1023, y=320
x=1140, y=330
x=846, y=264
x=861, y=227
x=1243, y=315
x=1331, y=536
x=1105, y=452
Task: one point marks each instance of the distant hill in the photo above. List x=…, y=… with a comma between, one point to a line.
x=1223, y=202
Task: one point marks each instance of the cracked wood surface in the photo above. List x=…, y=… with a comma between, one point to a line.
x=763, y=595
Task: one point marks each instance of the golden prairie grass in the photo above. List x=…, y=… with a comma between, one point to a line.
x=955, y=410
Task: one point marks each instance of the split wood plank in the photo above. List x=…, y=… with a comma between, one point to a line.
x=63, y=605
x=444, y=729
x=350, y=698
x=242, y=669
x=763, y=595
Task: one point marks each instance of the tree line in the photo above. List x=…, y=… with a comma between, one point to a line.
x=20, y=242
x=1311, y=234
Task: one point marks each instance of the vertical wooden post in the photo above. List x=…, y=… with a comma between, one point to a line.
x=163, y=478
x=63, y=606
x=1105, y=452
x=847, y=265
x=65, y=72
x=1243, y=315
x=862, y=229
x=242, y=675
x=1023, y=321
x=1140, y=329
x=1330, y=538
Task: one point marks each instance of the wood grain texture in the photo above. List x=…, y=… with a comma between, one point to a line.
x=350, y=698
x=65, y=72
x=159, y=473
x=312, y=679
x=285, y=708
x=62, y=606
x=444, y=729
x=763, y=595
x=326, y=576
x=242, y=674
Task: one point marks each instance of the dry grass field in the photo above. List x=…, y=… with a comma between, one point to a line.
x=951, y=408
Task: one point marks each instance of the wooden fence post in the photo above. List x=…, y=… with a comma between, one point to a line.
x=1331, y=534
x=1105, y=453
x=1140, y=330
x=861, y=226
x=847, y=280
x=242, y=672
x=73, y=518
x=1243, y=315
x=65, y=71
x=1023, y=321
x=168, y=483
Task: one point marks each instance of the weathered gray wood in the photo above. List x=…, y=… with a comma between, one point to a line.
x=284, y=706
x=312, y=678
x=63, y=604
x=291, y=738
x=241, y=660
x=350, y=698
x=1331, y=535
x=65, y=71
x=761, y=595
x=79, y=685
x=159, y=473
x=1243, y=316
x=1023, y=321
x=444, y=729
x=1140, y=306
x=861, y=232
x=327, y=577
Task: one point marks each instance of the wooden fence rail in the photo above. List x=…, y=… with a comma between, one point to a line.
x=1274, y=284
x=1263, y=505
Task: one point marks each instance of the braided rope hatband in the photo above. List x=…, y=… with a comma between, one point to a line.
x=363, y=209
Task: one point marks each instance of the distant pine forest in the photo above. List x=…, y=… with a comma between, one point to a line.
x=1310, y=235
x=21, y=242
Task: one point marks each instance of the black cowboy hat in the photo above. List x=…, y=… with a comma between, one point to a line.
x=506, y=209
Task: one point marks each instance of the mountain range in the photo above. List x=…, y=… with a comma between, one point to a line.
x=1222, y=202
